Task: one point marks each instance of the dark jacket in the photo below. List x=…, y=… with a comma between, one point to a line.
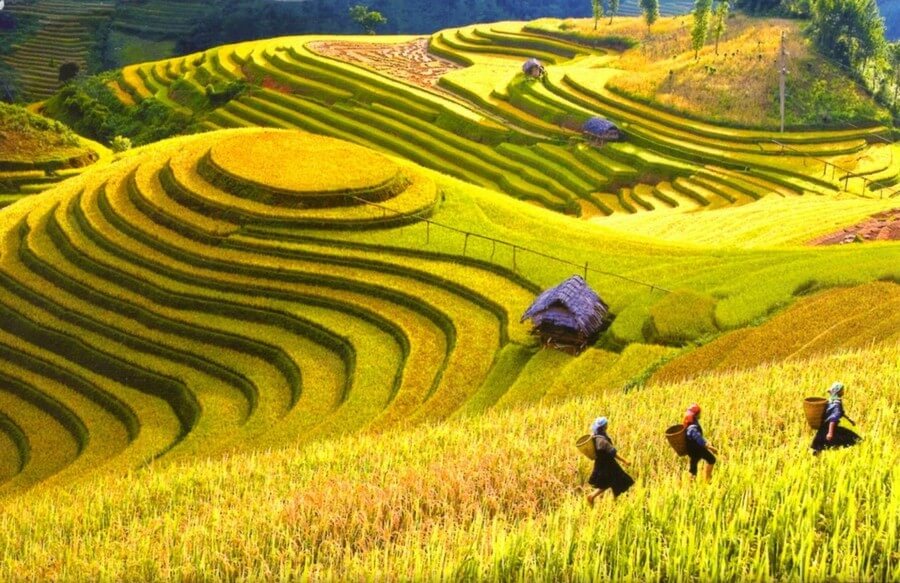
x=607, y=471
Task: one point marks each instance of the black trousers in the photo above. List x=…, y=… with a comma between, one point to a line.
x=697, y=453
x=843, y=437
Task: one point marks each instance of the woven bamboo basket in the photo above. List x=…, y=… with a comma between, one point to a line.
x=814, y=407
x=677, y=439
x=585, y=445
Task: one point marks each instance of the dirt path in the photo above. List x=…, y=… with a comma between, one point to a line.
x=884, y=226
x=409, y=61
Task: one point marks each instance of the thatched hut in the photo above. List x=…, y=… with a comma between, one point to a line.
x=568, y=316
x=533, y=68
x=601, y=130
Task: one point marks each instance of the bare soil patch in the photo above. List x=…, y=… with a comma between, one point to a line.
x=409, y=61
x=884, y=226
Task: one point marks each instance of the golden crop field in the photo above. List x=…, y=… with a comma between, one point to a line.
x=734, y=85
x=292, y=346
x=499, y=497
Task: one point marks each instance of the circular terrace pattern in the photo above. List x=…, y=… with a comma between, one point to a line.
x=299, y=169
x=147, y=312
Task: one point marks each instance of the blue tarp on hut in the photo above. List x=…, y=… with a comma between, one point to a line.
x=569, y=314
x=533, y=68
x=598, y=126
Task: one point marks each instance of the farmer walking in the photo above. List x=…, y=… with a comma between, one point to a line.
x=830, y=433
x=607, y=474
x=697, y=446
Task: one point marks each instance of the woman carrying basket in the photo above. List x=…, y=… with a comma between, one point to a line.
x=830, y=433
x=697, y=446
x=607, y=474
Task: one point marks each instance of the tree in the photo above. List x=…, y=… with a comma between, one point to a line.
x=369, y=20
x=7, y=86
x=68, y=71
x=613, y=9
x=850, y=31
x=720, y=23
x=597, y=5
x=240, y=20
x=759, y=6
x=700, y=30
x=120, y=144
x=650, y=8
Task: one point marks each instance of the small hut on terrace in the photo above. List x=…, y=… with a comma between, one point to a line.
x=568, y=316
x=533, y=68
x=601, y=130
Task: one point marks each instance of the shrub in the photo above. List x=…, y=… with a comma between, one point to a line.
x=120, y=144
x=219, y=96
x=68, y=72
x=91, y=108
x=681, y=317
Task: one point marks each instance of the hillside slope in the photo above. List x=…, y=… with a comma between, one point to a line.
x=67, y=31
x=500, y=497
x=460, y=105
x=103, y=34
x=200, y=296
x=36, y=153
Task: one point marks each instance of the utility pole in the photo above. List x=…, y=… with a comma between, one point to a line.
x=896, y=74
x=782, y=66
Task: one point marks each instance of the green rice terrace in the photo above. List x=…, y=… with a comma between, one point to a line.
x=462, y=106
x=65, y=31
x=37, y=153
x=288, y=342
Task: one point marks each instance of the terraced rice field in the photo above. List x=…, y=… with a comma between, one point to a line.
x=65, y=34
x=842, y=318
x=34, y=160
x=200, y=296
x=140, y=323
x=499, y=497
x=158, y=19
x=487, y=124
x=295, y=351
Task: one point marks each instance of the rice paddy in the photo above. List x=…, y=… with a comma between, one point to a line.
x=66, y=33
x=291, y=348
x=487, y=124
x=36, y=154
x=498, y=496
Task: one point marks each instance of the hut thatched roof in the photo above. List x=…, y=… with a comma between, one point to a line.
x=598, y=126
x=572, y=304
x=531, y=64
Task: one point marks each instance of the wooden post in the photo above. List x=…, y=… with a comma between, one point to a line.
x=514, y=258
x=585, y=270
x=466, y=245
x=427, y=232
x=493, y=248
